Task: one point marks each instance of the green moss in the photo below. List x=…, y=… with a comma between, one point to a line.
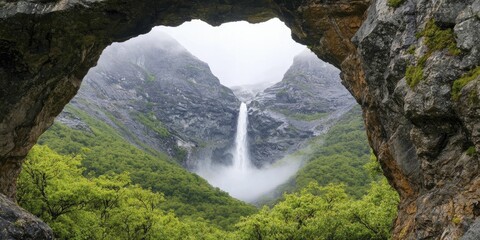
x=456, y=220
x=395, y=3
x=438, y=39
x=473, y=97
x=20, y=223
x=423, y=59
x=411, y=49
x=464, y=80
x=150, y=78
x=435, y=39
x=471, y=151
x=413, y=75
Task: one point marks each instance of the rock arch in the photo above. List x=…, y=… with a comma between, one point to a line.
x=419, y=134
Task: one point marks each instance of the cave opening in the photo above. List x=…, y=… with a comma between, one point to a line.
x=175, y=91
x=57, y=57
x=158, y=96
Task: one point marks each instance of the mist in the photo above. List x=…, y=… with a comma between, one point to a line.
x=240, y=53
x=252, y=184
x=242, y=179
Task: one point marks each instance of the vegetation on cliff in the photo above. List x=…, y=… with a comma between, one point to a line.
x=340, y=158
x=464, y=80
x=436, y=39
x=395, y=3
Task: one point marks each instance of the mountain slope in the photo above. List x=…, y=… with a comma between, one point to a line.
x=308, y=100
x=161, y=98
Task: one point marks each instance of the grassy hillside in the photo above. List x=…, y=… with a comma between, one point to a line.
x=104, y=151
x=340, y=157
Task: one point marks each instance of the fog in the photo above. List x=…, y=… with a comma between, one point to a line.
x=252, y=184
x=240, y=53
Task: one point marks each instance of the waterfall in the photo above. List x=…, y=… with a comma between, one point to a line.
x=241, y=159
x=241, y=180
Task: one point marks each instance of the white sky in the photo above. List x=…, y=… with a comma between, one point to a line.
x=239, y=53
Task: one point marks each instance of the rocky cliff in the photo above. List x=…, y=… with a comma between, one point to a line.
x=416, y=56
x=308, y=100
x=159, y=96
x=412, y=65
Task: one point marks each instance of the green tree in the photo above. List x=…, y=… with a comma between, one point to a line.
x=105, y=207
x=52, y=187
x=325, y=213
x=105, y=151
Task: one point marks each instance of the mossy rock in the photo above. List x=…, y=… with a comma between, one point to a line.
x=414, y=75
x=395, y=3
x=464, y=80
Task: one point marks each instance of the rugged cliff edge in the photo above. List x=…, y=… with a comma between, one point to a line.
x=412, y=65
x=308, y=100
x=419, y=110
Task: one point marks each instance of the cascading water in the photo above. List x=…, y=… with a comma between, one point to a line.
x=241, y=179
x=241, y=159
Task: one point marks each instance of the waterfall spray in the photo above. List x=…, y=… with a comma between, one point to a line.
x=241, y=179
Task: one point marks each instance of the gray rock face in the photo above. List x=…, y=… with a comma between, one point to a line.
x=154, y=91
x=16, y=223
x=425, y=151
x=304, y=104
x=473, y=232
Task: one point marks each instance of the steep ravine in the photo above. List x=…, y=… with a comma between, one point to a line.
x=426, y=140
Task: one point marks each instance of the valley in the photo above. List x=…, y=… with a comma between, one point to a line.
x=156, y=115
